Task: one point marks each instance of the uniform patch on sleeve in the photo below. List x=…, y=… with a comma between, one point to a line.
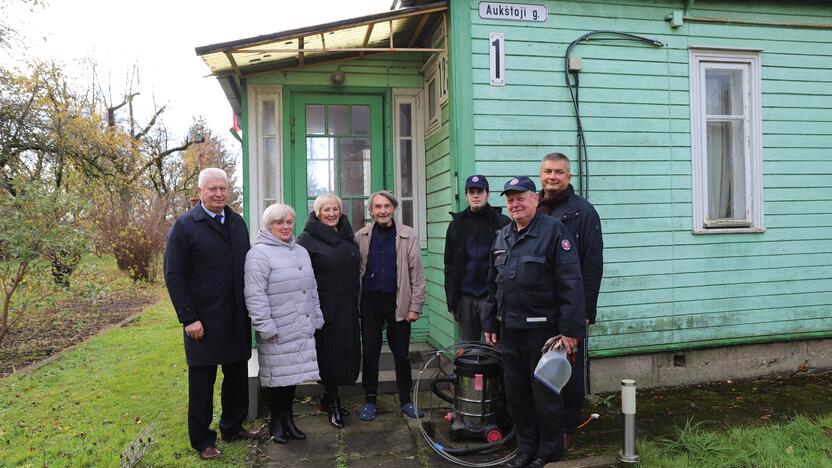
x=565, y=245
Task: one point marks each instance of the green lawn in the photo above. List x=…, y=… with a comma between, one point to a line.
x=121, y=388
x=802, y=442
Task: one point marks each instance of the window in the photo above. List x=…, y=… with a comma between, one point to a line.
x=726, y=141
x=435, y=92
x=409, y=161
x=265, y=167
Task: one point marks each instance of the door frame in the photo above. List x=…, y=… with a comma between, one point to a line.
x=294, y=172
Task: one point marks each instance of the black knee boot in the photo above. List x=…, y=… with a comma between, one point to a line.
x=277, y=429
x=289, y=426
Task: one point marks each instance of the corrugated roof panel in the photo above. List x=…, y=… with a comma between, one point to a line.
x=282, y=48
x=217, y=62
x=346, y=38
x=289, y=44
x=246, y=59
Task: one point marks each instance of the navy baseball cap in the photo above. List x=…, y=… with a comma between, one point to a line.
x=476, y=181
x=519, y=184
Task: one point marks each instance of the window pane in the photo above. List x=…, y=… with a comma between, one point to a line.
x=407, y=213
x=360, y=120
x=726, y=170
x=355, y=166
x=405, y=128
x=357, y=212
x=320, y=165
x=406, y=167
x=432, y=99
x=338, y=120
x=269, y=170
x=724, y=88
x=314, y=119
x=267, y=118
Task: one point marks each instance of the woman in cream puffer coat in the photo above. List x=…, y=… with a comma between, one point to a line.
x=282, y=301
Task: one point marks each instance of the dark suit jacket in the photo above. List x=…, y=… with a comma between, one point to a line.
x=204, y=276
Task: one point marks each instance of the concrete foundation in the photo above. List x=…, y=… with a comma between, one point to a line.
x=709, y=365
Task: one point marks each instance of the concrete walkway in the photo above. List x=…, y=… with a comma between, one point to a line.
x=393, y=439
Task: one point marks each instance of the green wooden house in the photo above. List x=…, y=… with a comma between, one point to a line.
x=700, y=130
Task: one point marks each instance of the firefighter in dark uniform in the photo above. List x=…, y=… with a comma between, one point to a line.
x=535, y=292
x=558, y=199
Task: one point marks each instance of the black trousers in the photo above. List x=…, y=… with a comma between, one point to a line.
x=234, y=399
x=574, y=392
x=471, y=310
x=378, y=310
x=281, y=399
x=537, y=411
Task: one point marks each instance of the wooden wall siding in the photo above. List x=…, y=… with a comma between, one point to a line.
x=442, y=331
x=399, y=70
x=665, y=288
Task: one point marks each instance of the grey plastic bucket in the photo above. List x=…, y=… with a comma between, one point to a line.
x=553, y=370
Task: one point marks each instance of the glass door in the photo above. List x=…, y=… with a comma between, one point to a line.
x=338, y=148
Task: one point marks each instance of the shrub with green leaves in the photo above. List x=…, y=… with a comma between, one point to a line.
x=37, y=223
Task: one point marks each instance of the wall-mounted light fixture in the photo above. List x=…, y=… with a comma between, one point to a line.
x=338, y=77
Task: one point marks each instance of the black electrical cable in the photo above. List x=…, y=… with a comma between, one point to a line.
x=583, y=156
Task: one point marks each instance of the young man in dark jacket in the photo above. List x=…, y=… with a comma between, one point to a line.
x=558, y=199
x=467, y=249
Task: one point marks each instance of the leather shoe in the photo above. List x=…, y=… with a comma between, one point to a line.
x=520, y=461
x=210, y=453
x=242, y=435
x=537, y=463
x=568, y=441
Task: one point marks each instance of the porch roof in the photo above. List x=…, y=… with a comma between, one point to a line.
x=401, y=30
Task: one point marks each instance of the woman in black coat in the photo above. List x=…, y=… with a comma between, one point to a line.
x=329, y=239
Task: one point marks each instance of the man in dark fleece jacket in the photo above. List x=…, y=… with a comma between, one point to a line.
x=467, y=250
x=558, y=199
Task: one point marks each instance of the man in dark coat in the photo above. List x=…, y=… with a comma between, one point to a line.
x=204, y=260
x=467, y=249
x=558, y=199
x=535, y=292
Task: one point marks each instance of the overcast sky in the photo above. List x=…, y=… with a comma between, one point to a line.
x=160, y=36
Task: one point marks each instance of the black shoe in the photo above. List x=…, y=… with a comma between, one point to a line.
x=335, y=416
x=537, y=463
x=522, y=460
x=289, y=425
x=277, y=430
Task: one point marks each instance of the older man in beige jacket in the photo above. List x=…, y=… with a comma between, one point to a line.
x=392, y=294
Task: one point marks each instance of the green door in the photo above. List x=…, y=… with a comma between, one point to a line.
x=338, y=148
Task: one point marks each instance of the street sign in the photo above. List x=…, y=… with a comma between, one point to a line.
x=513, y=11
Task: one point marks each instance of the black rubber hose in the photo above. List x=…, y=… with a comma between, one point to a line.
x=476, y=448
x=451, y=379
x=583, y=155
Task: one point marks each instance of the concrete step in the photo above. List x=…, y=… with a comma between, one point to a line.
x=386, y=384
x=419, y=355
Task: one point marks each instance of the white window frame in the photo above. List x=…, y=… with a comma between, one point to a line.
x=412, y=97
x=747, y=60
x=435, y=70
x=257, y=94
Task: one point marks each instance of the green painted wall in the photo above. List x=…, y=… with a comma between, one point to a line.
x=665, y=288
x=440, y=201
x=384, y=70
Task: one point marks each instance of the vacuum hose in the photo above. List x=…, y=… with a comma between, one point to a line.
x=427, y=427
